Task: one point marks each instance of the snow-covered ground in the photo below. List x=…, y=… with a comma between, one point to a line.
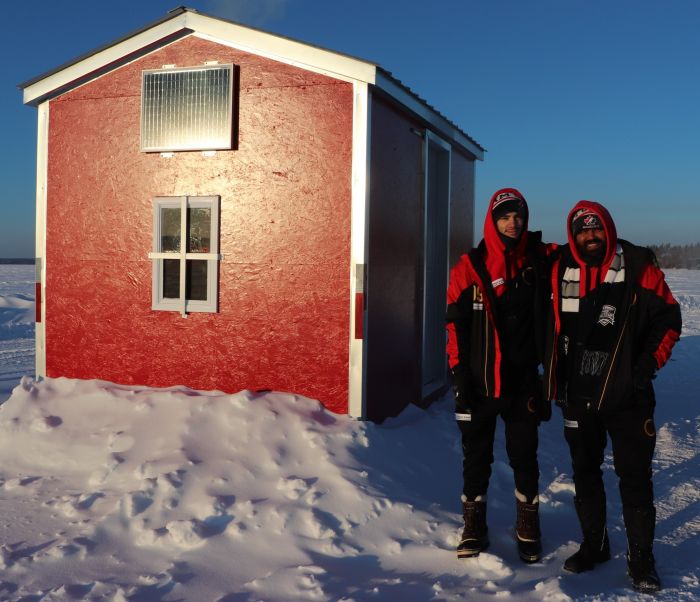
x=16, y=325
x=126, y=493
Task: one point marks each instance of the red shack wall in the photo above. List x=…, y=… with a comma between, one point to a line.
x=283, y=320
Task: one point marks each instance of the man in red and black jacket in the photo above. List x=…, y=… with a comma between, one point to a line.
x=497, y=300
x=614, y=324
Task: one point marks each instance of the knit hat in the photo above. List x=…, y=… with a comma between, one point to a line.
x=507, y=202
x=585, y=219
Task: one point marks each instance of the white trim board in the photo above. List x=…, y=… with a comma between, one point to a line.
x=40, y=242
x=238, y=36
x=184, y=22
x=361, y=119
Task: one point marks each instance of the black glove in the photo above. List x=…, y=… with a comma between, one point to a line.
x=544, y=410
x=536, y=403
x=540, y=407
x=644, y=372
x=462, y=390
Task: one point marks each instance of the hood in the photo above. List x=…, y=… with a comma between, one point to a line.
x=494, y=244
x=608, y=227
x=502, y=264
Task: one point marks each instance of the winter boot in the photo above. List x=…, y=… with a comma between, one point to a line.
x=595, y=547
x=527, y=528
x=641, y=567
x=475, y=536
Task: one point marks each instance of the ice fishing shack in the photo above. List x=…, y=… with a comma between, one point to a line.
x=224, y=208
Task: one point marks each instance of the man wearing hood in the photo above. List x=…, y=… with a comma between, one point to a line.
x=614, y=324
x=497, y=298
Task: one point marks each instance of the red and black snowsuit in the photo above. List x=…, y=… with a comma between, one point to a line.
x=497, y=298
x=613, y=324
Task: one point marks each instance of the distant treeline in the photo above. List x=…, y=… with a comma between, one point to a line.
x=676, y=256
x=17, y=260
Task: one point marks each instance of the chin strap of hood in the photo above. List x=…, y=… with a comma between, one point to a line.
x=591, y=207
x=501, y=262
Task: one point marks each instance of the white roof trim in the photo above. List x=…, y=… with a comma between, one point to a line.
x=59, y=79
x=231, y=34
x=281, y=59
x=282, y=49
x=186, y=22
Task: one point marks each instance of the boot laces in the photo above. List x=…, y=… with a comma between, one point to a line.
x=527, y=524
x=472, y=518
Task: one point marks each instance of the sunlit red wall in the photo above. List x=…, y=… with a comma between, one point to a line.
x=283, y=320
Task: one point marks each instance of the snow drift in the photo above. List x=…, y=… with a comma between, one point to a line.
x=118, y=493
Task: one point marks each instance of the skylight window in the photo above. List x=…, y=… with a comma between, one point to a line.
x=187, y=108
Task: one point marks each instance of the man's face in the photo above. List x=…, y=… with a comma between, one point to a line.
x=591, y=243
x=510, y=224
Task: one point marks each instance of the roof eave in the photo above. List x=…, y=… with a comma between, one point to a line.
x=184, y=21
x=394, y=88
x=181, y=22
x=103, y=59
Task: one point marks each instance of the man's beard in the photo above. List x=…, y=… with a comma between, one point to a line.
x=593, y=255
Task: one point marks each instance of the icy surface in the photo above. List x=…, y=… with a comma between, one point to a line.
x=16, y=325
x=126, y=493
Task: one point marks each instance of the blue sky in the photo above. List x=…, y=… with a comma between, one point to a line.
x=573, y=99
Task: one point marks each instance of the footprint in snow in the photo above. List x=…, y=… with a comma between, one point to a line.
x=295, y=487
x=11, y=484
x=120, y=442
x=136, y=502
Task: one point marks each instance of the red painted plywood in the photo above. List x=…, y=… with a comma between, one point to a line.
x=283, y=320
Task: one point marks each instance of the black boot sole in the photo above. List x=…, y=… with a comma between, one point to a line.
x=587, y=568
x=646, y=588
x=531, y=556
x=473, y=552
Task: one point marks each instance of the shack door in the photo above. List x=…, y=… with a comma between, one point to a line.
x=435, y=262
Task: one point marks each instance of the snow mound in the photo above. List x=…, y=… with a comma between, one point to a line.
x=269, y=492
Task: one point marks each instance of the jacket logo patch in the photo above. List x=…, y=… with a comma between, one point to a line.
x=478, y=299
x=592, y=362
x=571, y=424
x=607, y=315
x=498, y=282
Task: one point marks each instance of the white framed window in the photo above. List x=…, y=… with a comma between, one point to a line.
x=189, y=108
x=185, y=276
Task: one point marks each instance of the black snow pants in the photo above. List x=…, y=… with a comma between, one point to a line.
x=633, y=438
x=521, y=443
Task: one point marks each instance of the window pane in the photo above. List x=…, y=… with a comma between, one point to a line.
x=169, y=229
x=171, y=278
x=199, y=226
x=196, y=283
x=188, y=108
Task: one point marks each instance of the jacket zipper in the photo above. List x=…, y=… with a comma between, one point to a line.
x=486, y=356
x=552, y=379
x=617, y=348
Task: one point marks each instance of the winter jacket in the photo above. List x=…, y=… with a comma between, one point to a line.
x=612, y=325
x=482, y=287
